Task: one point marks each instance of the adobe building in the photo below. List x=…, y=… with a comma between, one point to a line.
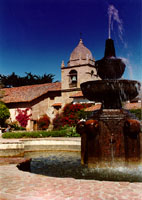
x=50, y=98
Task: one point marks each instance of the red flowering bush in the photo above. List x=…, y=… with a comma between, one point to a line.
x=57, y=121
x=43, y=122
x=70, y=115
x=71, y=109
x=23, y=116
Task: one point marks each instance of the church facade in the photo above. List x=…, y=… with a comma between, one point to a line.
x=50, y=98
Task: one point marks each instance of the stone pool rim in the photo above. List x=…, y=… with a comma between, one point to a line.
x=18, y=147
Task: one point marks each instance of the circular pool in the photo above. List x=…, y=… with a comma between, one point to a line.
x=68, y=164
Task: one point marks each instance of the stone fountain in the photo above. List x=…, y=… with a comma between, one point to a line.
x=111, y=136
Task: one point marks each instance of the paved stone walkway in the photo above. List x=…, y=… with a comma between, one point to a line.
x=19, y=185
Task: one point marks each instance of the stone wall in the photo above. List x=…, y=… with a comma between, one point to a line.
x=83, y=74
x=40, y=106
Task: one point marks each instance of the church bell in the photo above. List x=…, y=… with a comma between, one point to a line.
x=74, y=78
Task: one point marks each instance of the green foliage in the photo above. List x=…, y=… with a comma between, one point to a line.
x=20, y=128
x=14, y=125
x=82, y=114
x=4, y=113
x=66, y=132
x=137, y=113
x=14, y=80
x=71, y=132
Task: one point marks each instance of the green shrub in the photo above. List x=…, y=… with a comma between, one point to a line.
x=66, y=132
x=136, y=112
x=71, y=132
x=20, y=128
x=15, y=126
x=82, y=114
x=4, y=113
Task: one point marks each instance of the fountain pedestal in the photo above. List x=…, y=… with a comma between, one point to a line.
x=110, y=139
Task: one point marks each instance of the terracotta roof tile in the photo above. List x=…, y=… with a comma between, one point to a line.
x=79, y=94
x=94, y=107
x=28, y=93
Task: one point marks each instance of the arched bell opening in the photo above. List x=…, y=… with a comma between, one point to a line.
x=73, y=78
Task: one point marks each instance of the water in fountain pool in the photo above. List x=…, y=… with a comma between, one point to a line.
x=68, y=164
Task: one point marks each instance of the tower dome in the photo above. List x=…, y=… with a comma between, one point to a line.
x=80, y=55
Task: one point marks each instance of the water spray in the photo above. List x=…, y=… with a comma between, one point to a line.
x=113, y=15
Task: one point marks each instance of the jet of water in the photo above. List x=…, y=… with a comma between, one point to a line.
x=113, y=15
x=129, y=66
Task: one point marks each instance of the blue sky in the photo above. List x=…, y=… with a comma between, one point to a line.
x=36, y=35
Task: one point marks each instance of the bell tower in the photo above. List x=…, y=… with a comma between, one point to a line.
x=80, y=68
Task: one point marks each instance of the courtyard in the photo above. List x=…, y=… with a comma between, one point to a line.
x=21, y=185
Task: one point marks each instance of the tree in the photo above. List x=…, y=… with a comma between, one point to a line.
x=4, y=113
x=10, y=80
x=14, y=80
x=1, y=92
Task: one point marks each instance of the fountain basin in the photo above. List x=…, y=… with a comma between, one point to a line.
x=110, y=68
x=111, y=93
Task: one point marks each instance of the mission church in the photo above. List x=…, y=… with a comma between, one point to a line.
x=50, y=98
